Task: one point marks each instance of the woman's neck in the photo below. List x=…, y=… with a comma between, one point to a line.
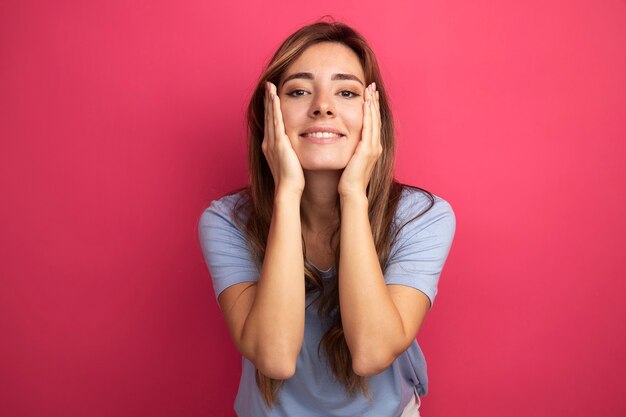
x=318, y=207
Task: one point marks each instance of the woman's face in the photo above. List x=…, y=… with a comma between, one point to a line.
x=321, y=96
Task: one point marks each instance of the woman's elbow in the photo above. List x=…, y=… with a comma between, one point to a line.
x=370, y=366
x=272, y=361
x=277, y=368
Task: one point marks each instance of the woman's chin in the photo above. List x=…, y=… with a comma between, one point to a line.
x=323, y=165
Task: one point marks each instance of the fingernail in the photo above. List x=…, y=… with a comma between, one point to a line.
x=374, y=86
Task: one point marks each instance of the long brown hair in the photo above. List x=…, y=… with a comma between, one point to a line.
x=383, y=192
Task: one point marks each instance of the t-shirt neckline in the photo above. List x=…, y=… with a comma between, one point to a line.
x=321, y=271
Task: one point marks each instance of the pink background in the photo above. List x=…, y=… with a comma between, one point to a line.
x=120, y=121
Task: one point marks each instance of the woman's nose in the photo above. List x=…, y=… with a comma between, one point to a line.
x=323, y=105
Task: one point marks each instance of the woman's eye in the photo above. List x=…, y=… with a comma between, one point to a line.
x=347, y=94
x=296, y=93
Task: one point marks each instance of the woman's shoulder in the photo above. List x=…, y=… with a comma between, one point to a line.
x=225, y=207
x=422, y=206
x=228, y=202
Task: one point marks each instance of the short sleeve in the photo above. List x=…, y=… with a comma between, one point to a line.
x=224, y=246
x=418, y=255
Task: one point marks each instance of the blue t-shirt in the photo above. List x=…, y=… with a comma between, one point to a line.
x=416, y=260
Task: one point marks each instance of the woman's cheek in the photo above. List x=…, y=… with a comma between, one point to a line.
x=356, y=121
x=288, y=124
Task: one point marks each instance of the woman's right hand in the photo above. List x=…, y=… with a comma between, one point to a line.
x=280, y=156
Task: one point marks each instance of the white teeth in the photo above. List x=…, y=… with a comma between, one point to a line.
x=321, y=135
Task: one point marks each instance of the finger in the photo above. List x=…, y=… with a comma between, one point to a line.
x=376, y=99
x=279, y=124
x=377, y=117
x=371, y=116
x=270, y=117
x=266, y=104
x=366, y=116
x=377, y=104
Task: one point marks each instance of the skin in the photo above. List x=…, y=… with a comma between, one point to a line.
x=266, y=319
x=324, y=99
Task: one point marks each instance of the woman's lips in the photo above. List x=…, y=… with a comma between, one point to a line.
x=321, y=137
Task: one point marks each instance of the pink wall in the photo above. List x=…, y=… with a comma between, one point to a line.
x=120, y=122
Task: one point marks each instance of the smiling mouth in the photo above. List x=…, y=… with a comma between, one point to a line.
x=321, y=135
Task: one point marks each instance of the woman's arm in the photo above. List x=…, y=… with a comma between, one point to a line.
x=379, y=322
x=267, y=319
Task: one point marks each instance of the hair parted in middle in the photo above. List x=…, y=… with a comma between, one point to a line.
x=254, y=209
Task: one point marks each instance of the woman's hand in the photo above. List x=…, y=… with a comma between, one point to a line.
x=279, y=153
x=357, y=173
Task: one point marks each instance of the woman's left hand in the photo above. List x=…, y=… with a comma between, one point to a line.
x=356, y=175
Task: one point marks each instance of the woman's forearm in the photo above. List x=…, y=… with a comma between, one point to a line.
x=371, y=322
x=274, y=329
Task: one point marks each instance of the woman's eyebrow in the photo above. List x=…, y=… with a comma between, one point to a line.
x=299, y=75
x=347, y=77
x=309, y=76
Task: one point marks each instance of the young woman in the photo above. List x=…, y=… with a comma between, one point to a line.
x=324, y=266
